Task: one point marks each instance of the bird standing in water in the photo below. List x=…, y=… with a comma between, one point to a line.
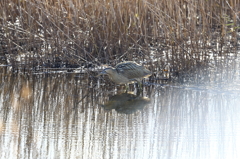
x=127, y=72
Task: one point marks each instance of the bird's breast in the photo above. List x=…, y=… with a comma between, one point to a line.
x=119, y=79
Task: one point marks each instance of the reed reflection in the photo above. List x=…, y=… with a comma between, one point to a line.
x=58, y=116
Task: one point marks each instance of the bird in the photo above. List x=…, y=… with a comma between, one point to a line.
x=127, y=72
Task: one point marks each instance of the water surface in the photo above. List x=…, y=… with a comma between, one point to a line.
x=69, y=115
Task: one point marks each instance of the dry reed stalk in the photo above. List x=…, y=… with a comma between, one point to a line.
x=55, y=33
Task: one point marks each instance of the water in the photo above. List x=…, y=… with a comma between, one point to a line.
x=69, y=115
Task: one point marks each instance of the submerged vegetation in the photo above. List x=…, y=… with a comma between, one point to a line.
x=73, y=33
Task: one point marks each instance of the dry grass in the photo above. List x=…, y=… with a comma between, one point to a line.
x=68, y=33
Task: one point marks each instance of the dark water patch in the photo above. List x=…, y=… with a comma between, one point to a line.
x=126, y=103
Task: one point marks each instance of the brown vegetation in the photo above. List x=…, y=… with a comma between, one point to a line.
x=77, y=32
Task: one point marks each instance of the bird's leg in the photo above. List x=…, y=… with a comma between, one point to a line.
x=140, y=85
x=126, y=85
x=140, y=88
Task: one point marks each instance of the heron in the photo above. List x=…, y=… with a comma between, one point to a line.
x=127, y=72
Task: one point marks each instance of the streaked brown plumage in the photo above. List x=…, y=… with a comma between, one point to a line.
x=126, y=72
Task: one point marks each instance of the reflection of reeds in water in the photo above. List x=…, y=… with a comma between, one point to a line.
x=43, y=89
x=59, y=113
x=126, y=103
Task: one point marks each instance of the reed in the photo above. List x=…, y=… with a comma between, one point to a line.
x=51, y=33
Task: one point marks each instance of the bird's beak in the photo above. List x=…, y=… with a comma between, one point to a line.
x=102, y=73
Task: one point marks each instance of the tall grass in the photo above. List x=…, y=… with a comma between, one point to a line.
x=77, y=32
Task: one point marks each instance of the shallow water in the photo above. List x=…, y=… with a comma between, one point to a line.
x=69, y=115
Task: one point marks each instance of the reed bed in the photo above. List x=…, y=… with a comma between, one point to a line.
x=73, y=33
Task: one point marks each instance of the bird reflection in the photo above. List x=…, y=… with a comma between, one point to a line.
x=126, y=103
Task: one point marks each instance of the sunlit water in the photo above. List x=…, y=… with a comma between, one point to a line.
x=64, y=115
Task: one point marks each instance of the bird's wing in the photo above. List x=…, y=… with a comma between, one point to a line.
x=131, y=70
